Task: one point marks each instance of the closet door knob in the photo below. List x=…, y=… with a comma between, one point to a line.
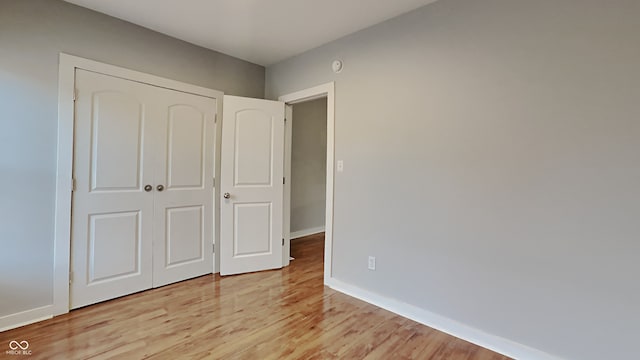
x=160, y=187
x=148, y=188
x=226, y=196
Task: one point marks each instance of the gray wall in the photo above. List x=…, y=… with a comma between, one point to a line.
x=32, y=34
x=308, y=165
x=491, y=162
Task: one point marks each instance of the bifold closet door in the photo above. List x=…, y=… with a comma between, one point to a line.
x=143, y=199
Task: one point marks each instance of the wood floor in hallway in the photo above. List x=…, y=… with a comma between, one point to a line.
x=280, y=314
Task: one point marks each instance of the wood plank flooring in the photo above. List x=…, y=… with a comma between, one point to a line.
x=280, y=314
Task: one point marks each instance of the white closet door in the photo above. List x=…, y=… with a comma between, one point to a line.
x=143, y=203
x=112, y=212
x=183, y=235
x=252, y=176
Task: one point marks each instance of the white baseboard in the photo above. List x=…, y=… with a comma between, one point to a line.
x=306, y=232
x=494, y=343
x=13, y=321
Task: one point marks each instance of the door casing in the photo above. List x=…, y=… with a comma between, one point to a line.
x=321, y=91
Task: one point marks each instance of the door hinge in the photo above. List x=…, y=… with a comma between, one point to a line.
x=214, y=248
x=75, y=94
x=70, y=277
x=283, y=181
x=282, y=241
x=214, y=182
x=73, y=184
x=215, y=118
x=285, y=120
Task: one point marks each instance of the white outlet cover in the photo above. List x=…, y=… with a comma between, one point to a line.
x=340, y=165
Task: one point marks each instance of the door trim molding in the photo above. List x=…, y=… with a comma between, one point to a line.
x=325, y=90
x=64, y=166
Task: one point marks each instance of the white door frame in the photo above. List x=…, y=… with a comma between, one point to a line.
x=325, y=90
x=64, y=167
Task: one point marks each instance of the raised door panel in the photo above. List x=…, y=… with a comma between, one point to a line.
x=186, y=137
x=115, y=244
x=253, y=148
x=254, y=240
x=116, y=118
x=184, y=235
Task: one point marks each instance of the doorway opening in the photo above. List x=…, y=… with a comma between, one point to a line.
x=308, y=178
x=309, y=167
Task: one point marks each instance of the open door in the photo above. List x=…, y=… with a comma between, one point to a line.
x=251, y=185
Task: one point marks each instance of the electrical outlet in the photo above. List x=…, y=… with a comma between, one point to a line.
x=340, y=165
x=372, y=262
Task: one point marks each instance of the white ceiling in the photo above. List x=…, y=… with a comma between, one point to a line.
x=260, y=31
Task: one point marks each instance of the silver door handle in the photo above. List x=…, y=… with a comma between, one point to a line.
x=148, y=188
x=226, y=196
x=160, y=187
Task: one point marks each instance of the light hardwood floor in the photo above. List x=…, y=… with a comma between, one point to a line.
x=281, y=314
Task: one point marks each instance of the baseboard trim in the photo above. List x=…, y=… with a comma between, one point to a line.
x=27, y=317
x=478, y=337
x=306, y=232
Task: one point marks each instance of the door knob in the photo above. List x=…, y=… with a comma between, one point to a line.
x=160, y=187
x=148, y=188
x=226, y=195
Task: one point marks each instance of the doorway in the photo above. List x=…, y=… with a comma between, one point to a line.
x=256, y=181
x=298, y=224
x=308, y=168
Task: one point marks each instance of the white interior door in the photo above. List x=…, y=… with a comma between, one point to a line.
x=112, y=212
x=183, y=236
x=143, y=203
x=251, y=209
